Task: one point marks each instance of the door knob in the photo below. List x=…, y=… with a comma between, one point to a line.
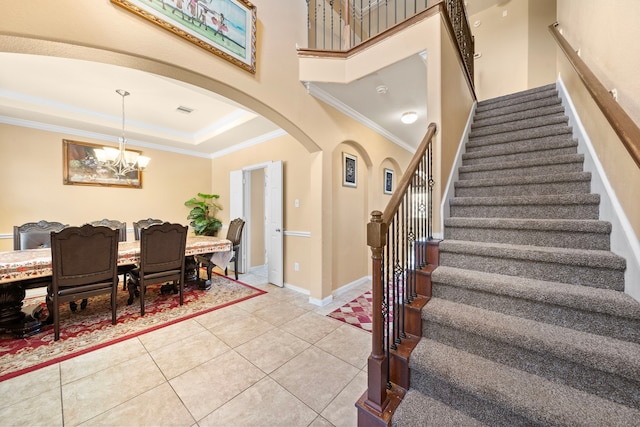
x=277, y=230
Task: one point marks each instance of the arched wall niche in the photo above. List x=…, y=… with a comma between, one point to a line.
x=33, y=46
x=350, y=213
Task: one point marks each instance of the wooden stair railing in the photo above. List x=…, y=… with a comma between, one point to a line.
x=621, y=123
x=400, y=240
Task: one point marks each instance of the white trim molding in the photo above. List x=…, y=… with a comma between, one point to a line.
x=624, y=241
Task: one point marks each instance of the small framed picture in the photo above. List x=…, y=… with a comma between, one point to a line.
x=349, y=170
x=388, y=181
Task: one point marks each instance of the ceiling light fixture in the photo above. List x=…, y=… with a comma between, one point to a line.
x=120, y=161
x=382, y=89
x=409, y=117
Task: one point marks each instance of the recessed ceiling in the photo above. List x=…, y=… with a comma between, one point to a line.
x=79, y=97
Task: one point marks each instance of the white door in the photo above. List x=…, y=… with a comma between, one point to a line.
x=236, y=210
x=274, y=230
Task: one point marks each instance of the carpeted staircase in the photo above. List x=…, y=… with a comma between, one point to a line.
x=528, y=324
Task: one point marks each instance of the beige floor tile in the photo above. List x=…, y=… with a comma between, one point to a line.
x=315, y=377
x=264, y=404
x=280, y=313
x=170, y=334
x=42, y=410
x=321, y=422
x=242, y=330
x=253, y=304
x=342, y=412
x=158, y=406
x=104, y=390
x=272, y=349
x=221, y=317
x=188, y=353
x=92, y=362
x=311, y=326
x=29, y=385
x=212, y=384
x=351, y=344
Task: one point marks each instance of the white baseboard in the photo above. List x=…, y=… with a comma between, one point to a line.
x=449, y=191
x=624, y=241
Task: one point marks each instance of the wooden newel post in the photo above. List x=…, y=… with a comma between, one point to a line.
x=377, y=364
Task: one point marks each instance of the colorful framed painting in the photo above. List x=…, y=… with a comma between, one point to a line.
x=226, y=28
x=80, y=167
x=349, y=170
x=388, y=181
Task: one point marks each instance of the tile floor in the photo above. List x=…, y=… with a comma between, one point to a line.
x=273, y=360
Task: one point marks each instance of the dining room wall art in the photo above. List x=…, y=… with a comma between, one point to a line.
x=349, y=170
x=226, y=28
x=81, y=167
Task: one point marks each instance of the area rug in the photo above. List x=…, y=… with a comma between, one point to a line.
x=87, y=330
x=356, y=312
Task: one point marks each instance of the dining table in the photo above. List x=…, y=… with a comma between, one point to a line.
x=32, y=268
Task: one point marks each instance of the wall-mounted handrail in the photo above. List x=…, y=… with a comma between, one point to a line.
x=622, y=124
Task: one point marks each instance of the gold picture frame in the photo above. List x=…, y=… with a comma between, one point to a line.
x=80, y=167
x=226, y=28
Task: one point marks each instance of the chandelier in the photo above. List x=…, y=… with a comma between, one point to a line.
x=119, y=160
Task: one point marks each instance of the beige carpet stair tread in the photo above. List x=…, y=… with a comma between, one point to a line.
x=536, y=398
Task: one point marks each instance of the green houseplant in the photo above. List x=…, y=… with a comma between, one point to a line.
x=203, y=213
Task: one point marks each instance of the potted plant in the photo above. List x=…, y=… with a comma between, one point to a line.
x=203, y=214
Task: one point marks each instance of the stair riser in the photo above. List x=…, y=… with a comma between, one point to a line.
x=478, y=407
x=489, y=113
x=523, y=171
x=527, y=136
x=527, y=154
x=551, y=238
x=517, y=100
x=549, y=88
x=527, y=114
x=526, y=211
x=576, y=187
x=520, y=125
x=608, y=386
x=604, y=278
x=541, y=311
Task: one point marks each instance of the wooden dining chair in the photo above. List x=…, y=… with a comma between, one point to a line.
x=162, y=259
x=34, y=235
x=122, y=237
x=84, y=264
x=143, y=223
x=234, y=234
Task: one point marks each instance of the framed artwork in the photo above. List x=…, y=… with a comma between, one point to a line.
x=226, y=28
x=80, y=167
x=349, y=170
x=388, y=181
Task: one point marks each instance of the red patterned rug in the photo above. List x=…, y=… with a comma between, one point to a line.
x=86, y=330
x=356, y=312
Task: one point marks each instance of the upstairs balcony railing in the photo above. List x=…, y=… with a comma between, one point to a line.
x=341, y=25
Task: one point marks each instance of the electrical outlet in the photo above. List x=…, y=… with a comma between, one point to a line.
x=296, y=266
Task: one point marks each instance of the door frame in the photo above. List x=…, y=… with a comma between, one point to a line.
x=246, y=207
